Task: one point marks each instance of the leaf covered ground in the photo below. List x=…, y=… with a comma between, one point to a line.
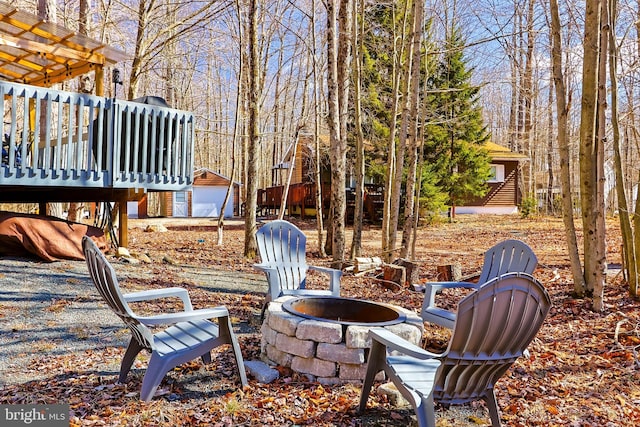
x=583, y=369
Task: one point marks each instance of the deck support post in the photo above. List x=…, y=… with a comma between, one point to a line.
x=123, y=230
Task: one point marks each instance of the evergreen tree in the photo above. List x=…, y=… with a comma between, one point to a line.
x=376, y=79
x=455, y=132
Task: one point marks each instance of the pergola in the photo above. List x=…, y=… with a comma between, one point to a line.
x=41, y=53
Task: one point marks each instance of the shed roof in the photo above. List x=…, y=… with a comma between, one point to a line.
x=199, y=172
x=41, y=53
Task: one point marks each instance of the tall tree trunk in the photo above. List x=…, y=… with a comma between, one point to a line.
x=250, y=225
x=527, y=100
x=47, y=11
x=236, y=133
x=358, y=31
x=592, y=201
x=629, y=254
x=140, y=50
x=600, y=266
x=550, y=176
x=339, y=56
x=388, y=228
x=316, y=132
x=85, y=86
x=401, y=149
x=562, y=110
x=412, y=146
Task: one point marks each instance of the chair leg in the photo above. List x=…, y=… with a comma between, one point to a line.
x=129, y=357
x=156, y=371
x=206, y=358
x=226, y=330
x=377, y=357
x=425, y=411
x=265, y=304
x=494, y=411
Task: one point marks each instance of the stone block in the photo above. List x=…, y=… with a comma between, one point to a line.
x=340, y=353
x=330, y=381
x=268, y=335
x=319, y=331
x=282, y=321
x=406, y=331
x=413, y=318
x=395, y=397
x=313, y=366
x=279, y=357
x=293, y=345
x=262, y=372
x=350, y=371
x=358, y=337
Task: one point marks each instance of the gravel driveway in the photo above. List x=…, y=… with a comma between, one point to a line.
x=53, y=309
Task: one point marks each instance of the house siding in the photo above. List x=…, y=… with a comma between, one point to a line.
x=504, y=193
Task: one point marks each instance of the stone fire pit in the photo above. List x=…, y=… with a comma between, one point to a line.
x=326, y=338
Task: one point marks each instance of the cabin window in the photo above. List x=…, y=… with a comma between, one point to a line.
x=497, y=173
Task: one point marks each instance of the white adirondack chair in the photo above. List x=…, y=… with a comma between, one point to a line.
x=282, y=249
x=509, y=256
x=494, y=326
x=191, y=335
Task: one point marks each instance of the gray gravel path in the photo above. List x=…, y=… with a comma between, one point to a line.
x=53, y=309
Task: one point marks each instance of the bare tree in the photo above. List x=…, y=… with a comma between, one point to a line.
x=562, y=109
x=629, y=249
x=358, y=31
x=412, y=128
x=154, y=34
x=391, y=203
x=253, y=151
x=591, y=151
x=236, y=131
x=316, y=131
x=339, y=33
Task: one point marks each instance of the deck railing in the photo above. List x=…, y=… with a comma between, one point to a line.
x=65, y=139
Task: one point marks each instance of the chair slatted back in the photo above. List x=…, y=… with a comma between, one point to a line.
x=494, y=326
x=105, y=280
x=282, y=246
x=508, y=256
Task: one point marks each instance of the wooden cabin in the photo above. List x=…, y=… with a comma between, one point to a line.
x=298, y=160
x=504, y=195
x=60, y=146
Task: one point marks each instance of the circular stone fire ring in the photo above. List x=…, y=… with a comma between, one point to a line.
x=331, y=349
x=344, y=311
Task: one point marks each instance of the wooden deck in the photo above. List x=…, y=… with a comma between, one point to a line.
x=64, y=146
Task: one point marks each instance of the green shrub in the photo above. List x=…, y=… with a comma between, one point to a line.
x=528, y=207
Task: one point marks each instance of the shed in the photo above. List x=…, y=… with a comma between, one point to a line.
x=203, y=201
x=207, y=195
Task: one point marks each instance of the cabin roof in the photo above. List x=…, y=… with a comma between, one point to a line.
x=498, y=152
x=41, y=53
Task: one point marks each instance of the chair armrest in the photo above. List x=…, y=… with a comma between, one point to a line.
x=184, y=316
x=430, y=312
x=152, y=294
x=272, y=280
x=450, y=285
x=394, y=343
x=431, y=288
x=334, y=274
x=264, y=268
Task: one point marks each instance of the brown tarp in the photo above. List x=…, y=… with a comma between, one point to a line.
x=49, y=238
